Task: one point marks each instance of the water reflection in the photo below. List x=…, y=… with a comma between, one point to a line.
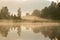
x=4, y=31
x=53, y=32
x=19, y=32
x=17, y=29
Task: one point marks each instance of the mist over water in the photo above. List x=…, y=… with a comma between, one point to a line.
x=28, y=32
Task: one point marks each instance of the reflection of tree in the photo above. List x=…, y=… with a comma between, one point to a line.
x=52, y=32
x=4, y=31
x=18, y=30
x=36, y=30
x=49, y=31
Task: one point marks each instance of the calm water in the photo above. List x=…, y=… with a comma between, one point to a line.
x=23, y=32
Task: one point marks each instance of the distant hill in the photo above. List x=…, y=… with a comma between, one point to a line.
x=34, y=18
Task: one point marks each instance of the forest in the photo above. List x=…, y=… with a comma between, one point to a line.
x=5, y=14
x=50, y=12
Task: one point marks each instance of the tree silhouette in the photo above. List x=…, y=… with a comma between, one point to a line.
x=36, y=13
x=4, y=13
x=51, y=12
x=44, y=12
x=27, y=14
x=19, y=13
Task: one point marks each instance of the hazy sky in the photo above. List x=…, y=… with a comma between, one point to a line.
x=25, y=5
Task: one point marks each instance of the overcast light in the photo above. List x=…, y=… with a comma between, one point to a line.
x=25, y=5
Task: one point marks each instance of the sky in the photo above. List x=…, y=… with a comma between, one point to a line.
x=27, y=6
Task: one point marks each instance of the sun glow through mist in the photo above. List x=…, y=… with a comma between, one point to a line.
x=21, y=0
x=24, y=0
x=14, y=0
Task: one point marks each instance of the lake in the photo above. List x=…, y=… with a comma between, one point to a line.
x=29, y=31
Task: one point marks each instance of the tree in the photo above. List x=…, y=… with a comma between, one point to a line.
x=4, y=12
x=19, y=13
x=36, y=13
x=27, y=14
x=58, y=11
x=51, y=12
x=44, y=12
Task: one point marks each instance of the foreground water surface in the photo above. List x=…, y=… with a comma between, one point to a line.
x=47, y=31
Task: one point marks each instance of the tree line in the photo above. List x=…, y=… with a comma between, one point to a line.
x=50, y=12
x=5, y=14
